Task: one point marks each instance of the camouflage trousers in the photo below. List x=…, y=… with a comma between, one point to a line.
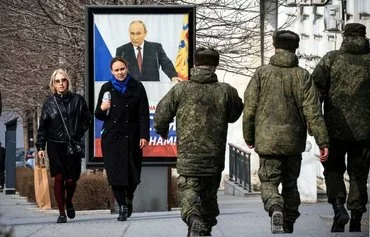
x=282, y=169
x=199, y=197
x=358, y=164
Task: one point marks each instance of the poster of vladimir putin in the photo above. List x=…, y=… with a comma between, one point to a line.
x=157, y=42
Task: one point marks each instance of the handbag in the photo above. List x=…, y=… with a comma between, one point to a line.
x=74, y=148
x=41, y=183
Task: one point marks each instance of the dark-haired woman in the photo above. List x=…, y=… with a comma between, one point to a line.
x=125, y=133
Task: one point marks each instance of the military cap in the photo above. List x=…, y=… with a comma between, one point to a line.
x=206, y=56
x=354, y=29
x=285, y=39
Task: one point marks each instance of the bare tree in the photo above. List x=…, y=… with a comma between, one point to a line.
x=237, y=29
x=38, y=36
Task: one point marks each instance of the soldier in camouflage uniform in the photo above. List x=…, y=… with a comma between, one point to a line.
x=343, y=79
x=280, y=103
x=203, y=107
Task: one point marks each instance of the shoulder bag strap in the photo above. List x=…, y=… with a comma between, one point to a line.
x=64, y=123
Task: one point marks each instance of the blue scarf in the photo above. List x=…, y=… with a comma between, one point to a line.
x=120, y=86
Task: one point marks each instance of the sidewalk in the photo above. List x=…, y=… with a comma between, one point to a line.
x=240, y=216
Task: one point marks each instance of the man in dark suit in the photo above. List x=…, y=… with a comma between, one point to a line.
x=144, y=57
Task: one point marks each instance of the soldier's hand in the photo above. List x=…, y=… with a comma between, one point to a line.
x=176, y=79
x=324, y=154
x=250, y=146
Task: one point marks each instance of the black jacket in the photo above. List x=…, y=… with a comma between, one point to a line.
x=124, y=126
x=76, y=116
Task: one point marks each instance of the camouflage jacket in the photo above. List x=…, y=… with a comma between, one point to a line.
x=203, y=108
x=280, y=101
x=343, y=79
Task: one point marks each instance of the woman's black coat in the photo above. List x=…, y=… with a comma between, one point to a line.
x=76, y=115
x=124, y=126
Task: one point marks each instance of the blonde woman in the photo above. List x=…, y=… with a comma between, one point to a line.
x=62, y=110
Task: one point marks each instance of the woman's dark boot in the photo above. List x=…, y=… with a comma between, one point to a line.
x=355, y=223
x=341, y=216
x=129, y=207
x=122, y=213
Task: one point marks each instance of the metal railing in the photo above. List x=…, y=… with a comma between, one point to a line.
x=240, y=167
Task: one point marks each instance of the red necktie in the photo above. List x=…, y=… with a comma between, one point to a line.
x=139, y=58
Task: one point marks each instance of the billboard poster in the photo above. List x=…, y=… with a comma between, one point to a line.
x=108, y=35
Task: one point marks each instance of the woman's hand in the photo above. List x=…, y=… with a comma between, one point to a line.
x=41, y=154
x=143, y=143
x=105, y=105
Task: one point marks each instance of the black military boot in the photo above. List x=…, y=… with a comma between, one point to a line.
x=208, y=226
x=277, y=219
x=288, y=226
x=207, y=231
x=355, y=223
x=195, y=226
x=122, y=213
x=341, y=216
